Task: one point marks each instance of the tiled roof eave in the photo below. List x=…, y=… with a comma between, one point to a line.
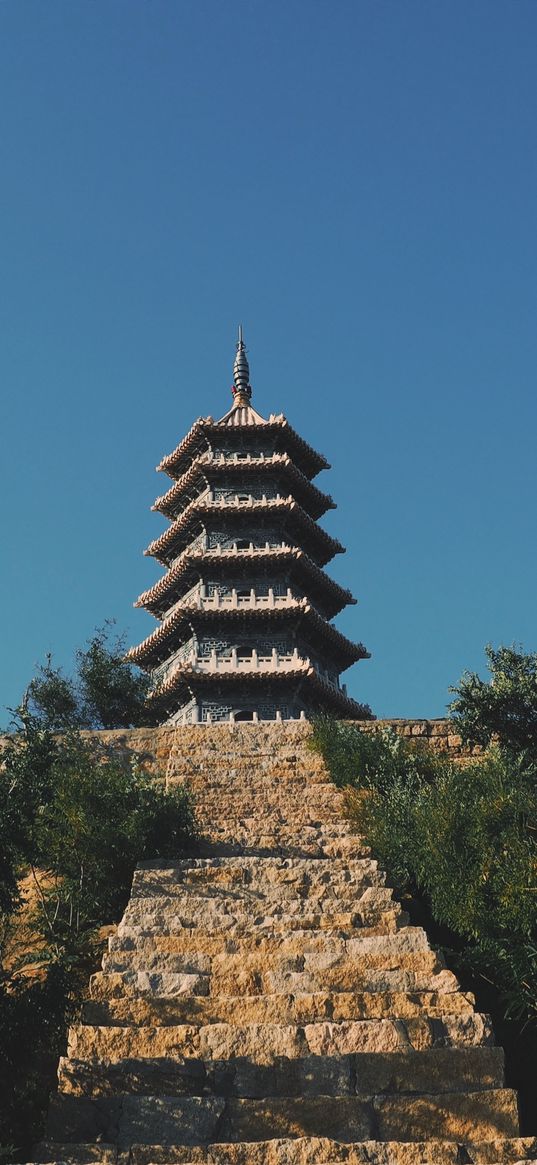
x=186, y=671
x=349, y=652
x=207, y=427
x=187, y=678
x=164, y=543
x=192, y=559
x=196, y=431
x=208, y=466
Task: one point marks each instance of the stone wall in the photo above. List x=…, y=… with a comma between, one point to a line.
x=438, y=734
x=156, y=743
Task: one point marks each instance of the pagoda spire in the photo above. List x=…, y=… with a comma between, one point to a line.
x=241, y=390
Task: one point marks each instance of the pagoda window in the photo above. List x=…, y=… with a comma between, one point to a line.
x=242, y=544
x=220, y=538
x=214, y=588
x=243, y=714
x=244, y=650
x=246, y=594
x=216, y=712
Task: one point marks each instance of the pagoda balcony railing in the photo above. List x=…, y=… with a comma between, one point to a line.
x=237, y=600
x=242, y=500
x=215, y=664
x=201, y=548
x=219, y=455
x=276, y=661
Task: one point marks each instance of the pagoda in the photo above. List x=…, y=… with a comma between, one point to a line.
x=245, y=606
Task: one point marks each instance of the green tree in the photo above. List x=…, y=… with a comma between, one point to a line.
x=503, y=708
x=26, y=788
x=113, y=692
x=105, y=691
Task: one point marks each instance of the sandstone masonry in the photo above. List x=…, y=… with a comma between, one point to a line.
x=267, y=1001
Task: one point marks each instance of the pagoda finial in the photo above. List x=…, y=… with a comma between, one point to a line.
x=241, y=374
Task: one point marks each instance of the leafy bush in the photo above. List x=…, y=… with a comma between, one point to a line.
x=103, y=817
x=106, y=691
x=25, y=788
x=464, y=837
x=355, y=756
x=33, y=1019
x=77, y=816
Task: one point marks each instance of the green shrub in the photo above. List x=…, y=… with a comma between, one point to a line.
x=462, y=836
x=33, y=1021
x=104, y=816
x=78, y=817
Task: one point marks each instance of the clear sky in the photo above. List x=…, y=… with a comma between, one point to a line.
x=355, y=181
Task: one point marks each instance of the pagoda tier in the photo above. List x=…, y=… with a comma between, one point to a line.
x=218, y=474
x=249, y=616
x=225, y=570
x=227, y=522
x=271, y=688
x=272, y=436
x=245, y=604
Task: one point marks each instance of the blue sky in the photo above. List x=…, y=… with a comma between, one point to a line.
x=354, y=181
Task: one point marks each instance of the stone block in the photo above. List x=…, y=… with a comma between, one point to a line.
x=461, y=1116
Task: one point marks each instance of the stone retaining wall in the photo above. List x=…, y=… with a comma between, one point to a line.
x=156, y=743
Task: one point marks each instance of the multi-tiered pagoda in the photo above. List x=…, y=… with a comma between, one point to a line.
x=245, y=606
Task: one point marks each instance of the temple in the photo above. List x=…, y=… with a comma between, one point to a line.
x=245, y=606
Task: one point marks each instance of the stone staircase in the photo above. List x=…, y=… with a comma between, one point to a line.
x=267, y=1002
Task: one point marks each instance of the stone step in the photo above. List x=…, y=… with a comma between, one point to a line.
x=258, y=915
x=239, y=766
x=232, y=809
x=464, y=1116
x=125, y=1008
x=329, y=913
x=270, y=789
x=234, y=752
x=261, y=1043
x=287, y=897
x=365, y=1075
x=73, y=1154
x=412, y=973
x=323, y=1151
x=222, y=814
x=264, y=845
x=306, y=1151
x=254, y=872
x=421, y=972
x=308, y=950
x=277, y=831
x=293, y=899
x=408, y=939
x=249, y=925
x=266, y=959
x=320, y=808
